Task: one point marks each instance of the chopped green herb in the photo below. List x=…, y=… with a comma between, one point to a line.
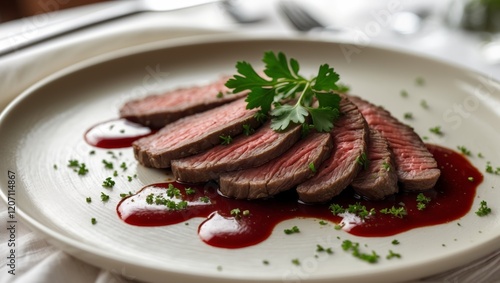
x=93, y=221
x=424, y=104
x=480, y=155
x=55, y=167
x=322, y=222
x=122, y=131
x=387, y=166
x=464, y=150
x=220, y=94
x=113, y=155
x=173, y=191
x=363, y=160
x=235, y=212
x=204, y=199
x=73, y=163
x=190, y=191
x=181, y=205
x=285, y=83
x=489, y=168
x=124, y=166
x=92, y=152
x=107, y=164
x=483, y=209
x=395, y=242
x=260, y=116
x=265, y=262
x=395, y=211
x=338, y=226
x=296, y=261
x=82, y=169
x=226, y=139
x=422, y=201
x=348, y=245
x=150, y=198
x=248, y=130
x=408, y=116
x=320, y=248
x=115, y=173
x=356, y=209
x=419, y=81
x=403, y=93
x=312, y=167
x=123, y=195
x=104, y=197
x=292, y=230
x=108, y=183
x=392, y=255
x=88, y=200
x=336, y=209
x=436, y=130
x=343, y=88
x=129, y=178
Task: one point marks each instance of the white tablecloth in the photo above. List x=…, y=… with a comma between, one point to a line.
x=38, y=261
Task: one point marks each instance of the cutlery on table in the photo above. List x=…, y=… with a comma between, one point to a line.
x=126, y=8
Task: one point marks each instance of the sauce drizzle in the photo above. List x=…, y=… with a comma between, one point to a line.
x=451, y=199
x=118, y=133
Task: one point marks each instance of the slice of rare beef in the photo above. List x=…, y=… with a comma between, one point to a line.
x=350, y=137
x=156, y=111
x=416, y=167
x=378, y=179
x=193, y=134
x=245, y=151
x=280, y=174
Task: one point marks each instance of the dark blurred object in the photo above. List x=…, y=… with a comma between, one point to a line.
x=475, y=15
x=15, y=9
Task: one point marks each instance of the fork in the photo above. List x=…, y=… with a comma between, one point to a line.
x=301, y=19
x=403, y=23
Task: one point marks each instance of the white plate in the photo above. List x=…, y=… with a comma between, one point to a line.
x=44, y=127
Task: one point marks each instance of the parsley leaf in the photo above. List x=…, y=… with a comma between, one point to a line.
x=282, y=85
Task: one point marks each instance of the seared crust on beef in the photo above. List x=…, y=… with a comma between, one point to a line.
x=156, y=111
x=193, y=134
x=244, y=152
x=416, y=167
x=350, y=137
x=379, y=178
x=281, y=173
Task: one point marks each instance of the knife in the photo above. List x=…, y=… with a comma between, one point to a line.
x=31, y=37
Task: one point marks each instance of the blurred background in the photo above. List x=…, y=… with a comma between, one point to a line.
x=15, y=9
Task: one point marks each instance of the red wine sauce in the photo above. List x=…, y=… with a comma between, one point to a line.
x=231, y=223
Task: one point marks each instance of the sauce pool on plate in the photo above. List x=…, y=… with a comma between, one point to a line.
x=231, y=223
x=118, y=133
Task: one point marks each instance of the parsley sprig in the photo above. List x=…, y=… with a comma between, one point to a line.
x=283, y=85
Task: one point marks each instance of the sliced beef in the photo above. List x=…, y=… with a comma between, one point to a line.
x=244, y=152
x=350, y=137
x=378, y=179
x=193, y=134
x=280, y=174
x=416, y=167
x=156, y=111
